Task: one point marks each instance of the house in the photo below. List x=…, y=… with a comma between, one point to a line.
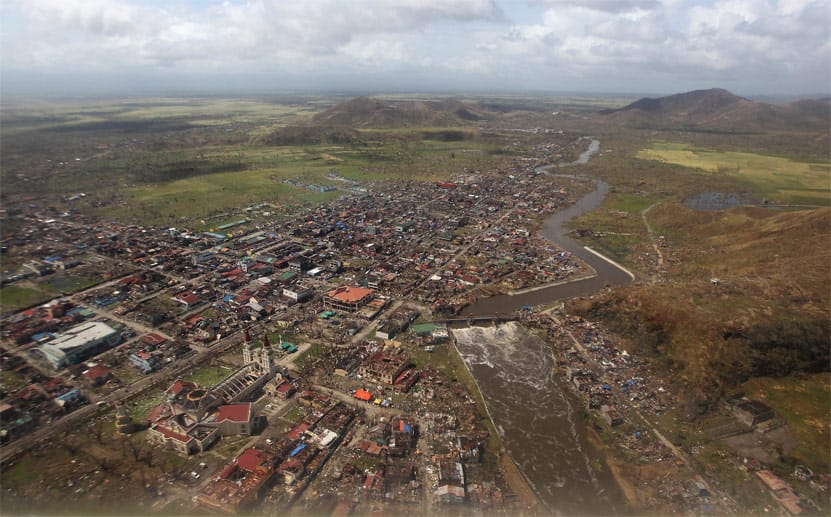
x=752, y=412
x=144, y=360
x=239, y=485
x=383, y=367
x=97, y=375
x=364, y=395
x=187, y=298
x=611, y=416
x=285, y=390
x=449, y=494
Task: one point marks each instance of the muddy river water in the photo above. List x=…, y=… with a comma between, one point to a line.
x=542, y=428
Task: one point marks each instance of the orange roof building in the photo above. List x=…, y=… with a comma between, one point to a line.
x=364, y=395
x=347, y=298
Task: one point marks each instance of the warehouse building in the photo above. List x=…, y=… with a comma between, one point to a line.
x=79, y=343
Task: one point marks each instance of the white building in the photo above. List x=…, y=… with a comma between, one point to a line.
x=79, y=343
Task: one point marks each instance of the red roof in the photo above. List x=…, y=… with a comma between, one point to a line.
x=158, y=412
x=251, y=459
x=285, y=387
x=180, y=385
x=96, y=372
x=349, y=294
x=234, y=413
x=153, y=339
x=187, y=297
x=363, y=395
x=297, y=430
x=168, y=433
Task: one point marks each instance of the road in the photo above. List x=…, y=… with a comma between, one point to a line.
x=651, y=234
x=179, y=368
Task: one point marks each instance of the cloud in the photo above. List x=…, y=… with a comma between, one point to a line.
x=265, y=29
x=629, y=44
x=609, y=6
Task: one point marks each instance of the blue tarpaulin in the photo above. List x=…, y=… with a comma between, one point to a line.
x=297, y=450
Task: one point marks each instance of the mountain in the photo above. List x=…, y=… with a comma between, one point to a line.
x=366, y=112
x=309, y=135
x=719, y=110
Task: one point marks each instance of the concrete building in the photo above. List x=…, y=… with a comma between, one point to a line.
x=79, y=343
x=193, y=418
x=347, y=298
x=239, y=485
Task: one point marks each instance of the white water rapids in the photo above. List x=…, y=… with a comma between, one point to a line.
x=540, y=428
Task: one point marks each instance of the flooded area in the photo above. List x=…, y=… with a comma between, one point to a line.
x=541, y=429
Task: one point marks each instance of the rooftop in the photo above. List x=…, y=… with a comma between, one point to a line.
x=349, y=294
x=234, y=413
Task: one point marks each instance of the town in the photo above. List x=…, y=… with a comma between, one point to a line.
x=305, y=361
x=327, y=320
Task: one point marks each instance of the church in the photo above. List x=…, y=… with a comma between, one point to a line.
x=192, y=418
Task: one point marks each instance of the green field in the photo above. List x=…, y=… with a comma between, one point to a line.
x=784, y=180
x=14, y=297
x=165, y=160
x=209, y=376
x=803, y=402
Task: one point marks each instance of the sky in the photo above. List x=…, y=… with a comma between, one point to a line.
x=750, y=47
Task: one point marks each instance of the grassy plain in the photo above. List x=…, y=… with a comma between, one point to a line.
x=30, y=292
x=165, y=160
x=784, y=180
x=802, y=402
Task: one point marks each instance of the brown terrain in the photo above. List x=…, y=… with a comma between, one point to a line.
x=720, y=110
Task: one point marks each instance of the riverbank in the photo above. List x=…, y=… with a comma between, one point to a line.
x=519, y=485
x=579, y=278
x=514, y=479
x=615, y=466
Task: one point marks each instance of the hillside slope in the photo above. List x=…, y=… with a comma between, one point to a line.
x=768, y=314
x=366, y=112
x=719, y=110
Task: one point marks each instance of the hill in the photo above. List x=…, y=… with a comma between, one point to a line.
x=719, y=110
x=366, y=112
x=767, y=315
x=309, y=135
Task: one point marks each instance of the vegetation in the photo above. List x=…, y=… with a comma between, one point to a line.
x=167, y=160
x=14, y=297
x=208, y=376
x=784, y=180
x=802, y=401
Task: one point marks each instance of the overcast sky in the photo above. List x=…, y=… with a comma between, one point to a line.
x=628, y=46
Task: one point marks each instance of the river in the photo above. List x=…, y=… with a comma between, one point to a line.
x=539, y=424
x=554, y=230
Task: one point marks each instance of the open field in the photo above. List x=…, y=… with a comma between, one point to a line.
x=802, y=402
x=29, y=292
x=784, y=180
x=163, y=161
